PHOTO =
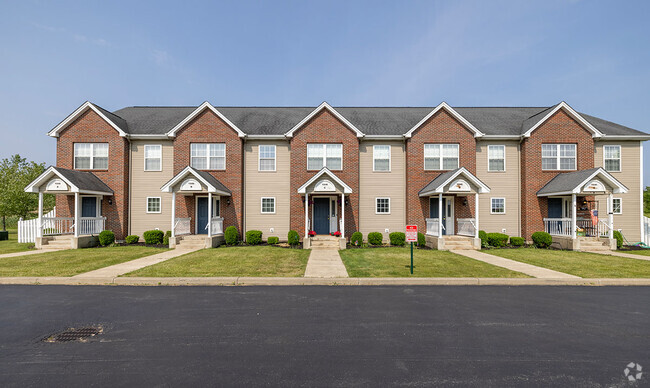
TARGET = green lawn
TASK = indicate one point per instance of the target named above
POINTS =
(71, 262)
(586, 265)
(232, 261)
(12, 245)
(645, 252)
(393, 262)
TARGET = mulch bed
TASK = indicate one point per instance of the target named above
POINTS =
(138, 244)
(633, 248)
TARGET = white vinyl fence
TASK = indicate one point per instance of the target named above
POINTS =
(28, 229)
(646, 230)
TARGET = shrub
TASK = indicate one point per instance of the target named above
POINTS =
(231, 235)
(483, 236)
(397, 238)
(422, 241)
(106, 237)
(132, 239)
(356, 239)
(168, 234)
(619, 239)
(153, 237)
(542, 239)
(253, 237)
(273, 240)
(517, 241)
(375, 238)
(497, 239)
(293, 238)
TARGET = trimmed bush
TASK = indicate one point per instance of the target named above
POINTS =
(153, 237)
(542, 239)
(483, 236)
(397, 239)
(517, 241)
(106, 237)
(356, 239)
(168, 234)
(293, 238)
(231, 235)
(132, 239)
(375, 238)
(422, 241)
(619, 239)
(253, 237)
(273, 240)
(498, 240)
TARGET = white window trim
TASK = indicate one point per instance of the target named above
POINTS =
(620, 158)
(390, 158)
(92, 156)
(225, 157)
(382, 213)
(262, 205)
(259, 157)
(424, 158)
(558, 157)
(504, 205)
(324, 156)
(620, 207)
(145, 156)
(504, 157)
(147, 205)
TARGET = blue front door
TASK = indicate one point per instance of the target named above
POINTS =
(321, 215)
(433, 212)
(201, 215)
(88, 206)
(555, 211)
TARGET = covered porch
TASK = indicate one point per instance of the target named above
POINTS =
(86, 221)
(573, 217)
(450, 213)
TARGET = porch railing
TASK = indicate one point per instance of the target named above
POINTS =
(54, 226)
(466, 227)
(599, 230)
(217, 225)
(558, 226)
(91, 225)
(182, 226)
(432, 226)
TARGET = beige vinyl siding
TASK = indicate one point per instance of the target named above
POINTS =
(381, 184)
(260, 184)
(147, 184)
(630, 221)
(502, 184)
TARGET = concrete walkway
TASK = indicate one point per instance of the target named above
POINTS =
(325, 263)
(621, 254)
(530, 270)
(30, 252)
(133, 265)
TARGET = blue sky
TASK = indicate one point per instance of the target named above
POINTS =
(56, 55)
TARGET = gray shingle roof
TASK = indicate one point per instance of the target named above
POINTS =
(212, 180)
(437, 181)
(119, 121)
(566, 181)
(84, 180)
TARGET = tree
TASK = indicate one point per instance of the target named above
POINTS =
(15, 174)
(646, 201)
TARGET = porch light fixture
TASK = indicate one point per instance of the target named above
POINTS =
(465, 201)
(347, 201)
(228, 202)
(110, 201)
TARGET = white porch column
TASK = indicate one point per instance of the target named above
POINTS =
(306, 215)
(573, 216)
(610, 214)
(476, 215)
(343, 215)
(173, 213)
(440, 215)
(39, 233)
(209, 214)
(77, 220)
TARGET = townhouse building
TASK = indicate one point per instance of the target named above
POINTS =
(451, 171)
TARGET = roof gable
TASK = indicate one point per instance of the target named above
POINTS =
(574, 182)
(450, 110)
(112, 119)
(333, 111)
(325, 171)
(213, 184)
(533, 122)
(437, 185)
(199, 110)
(79, 181)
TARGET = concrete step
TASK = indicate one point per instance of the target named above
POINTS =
(66, 237)
(58, 244)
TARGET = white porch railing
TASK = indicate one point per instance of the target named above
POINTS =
(54, 226)
(466, 227)
(558, 226)
(601, 229)
(182, 226)
(432, 226)
(217, 226)
(646, 230)
(28, 229)
(91, 225)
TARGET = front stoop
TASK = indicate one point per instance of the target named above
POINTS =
(324, 242)
(584, 243)
(453, 242)
(196, 241)
(55, 243)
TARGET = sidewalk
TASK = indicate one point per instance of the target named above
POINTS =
(325, 263)
(621, 254)
(530, 270)
(30, 252)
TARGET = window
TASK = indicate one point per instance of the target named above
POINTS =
(558, 156)
(440, 156)
(498, 206)
(617, 204)
(382, 205)
(268, 205)
(153, 204)
(91, 156)
(267, 158)
(496, 158)
(208, 156)
(324, 155)
(612, 154)
(153, 157)
(381, 158)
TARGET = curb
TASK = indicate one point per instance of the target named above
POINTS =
(275, 281)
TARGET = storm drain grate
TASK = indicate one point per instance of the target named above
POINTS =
(73, 334)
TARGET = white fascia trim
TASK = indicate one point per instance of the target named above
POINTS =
(44, 177)
(383, 137)
(149, 137)
(346, 189)
(559, 193)
(333, 111)
(501, 137)
(265, 137)
(624, 137)
(94, 192)
(167, 188)
(201, 108)
(451, 110)
(595, 133)
(86, 105)
(483, 188)
(619, 188)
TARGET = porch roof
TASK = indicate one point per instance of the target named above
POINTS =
(574, 182)
(83, 182)
(213, 184)
(325, 171)
(439, 184)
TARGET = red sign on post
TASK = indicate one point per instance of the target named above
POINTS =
(411, 233)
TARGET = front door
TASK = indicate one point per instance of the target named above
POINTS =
(88, 209)
(446, 212)
(321, 215)
(201, 215)
(555, 210)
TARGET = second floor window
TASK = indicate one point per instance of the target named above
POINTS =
(440, 156)
(496, 158)
(324, 155)
(381, 158)
(153, 157)
(612, 157)
(558, 156)
(267, 158)
(91, 156)
(206, 156)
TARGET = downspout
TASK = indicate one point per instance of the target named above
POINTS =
(128, 202)
(243, 187)
(519, 187)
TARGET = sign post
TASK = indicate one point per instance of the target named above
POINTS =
(411, 236)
